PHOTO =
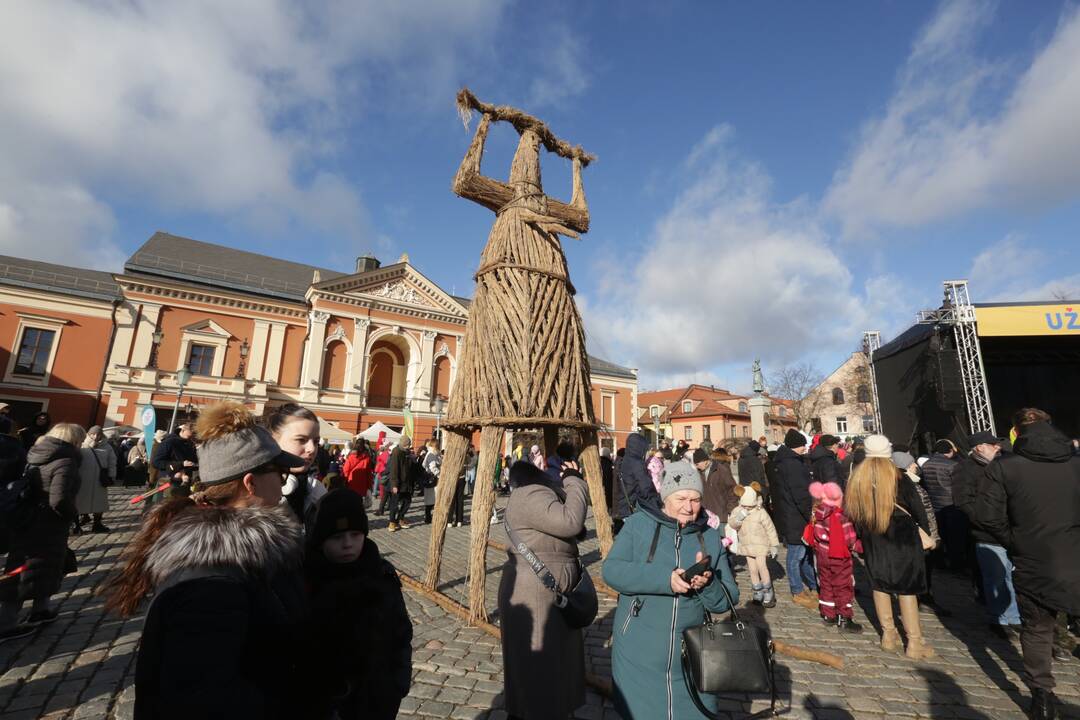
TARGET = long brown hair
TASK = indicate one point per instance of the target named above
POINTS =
(131, 583)
(871, 494)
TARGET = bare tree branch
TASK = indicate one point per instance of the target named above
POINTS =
(797, 382)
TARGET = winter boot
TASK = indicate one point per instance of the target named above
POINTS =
(848, 625)
(1043, 705)
(759, 594)
(917, 647)
(768, 596)
(890, 639)
(806, 600)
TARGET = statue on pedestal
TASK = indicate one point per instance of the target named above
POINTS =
(759, 380)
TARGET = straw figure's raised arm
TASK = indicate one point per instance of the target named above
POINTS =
(575, 215)
(470, 184)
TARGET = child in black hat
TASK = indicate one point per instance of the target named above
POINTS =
(362, 631)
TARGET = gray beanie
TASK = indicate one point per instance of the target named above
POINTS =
(902, 460)
(680, 475)
(231, 456)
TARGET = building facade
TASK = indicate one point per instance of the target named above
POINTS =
(843, 403)
(699, 413)
(371, 344)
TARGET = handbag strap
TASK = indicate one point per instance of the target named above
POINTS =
(655, 540)
(546, 578)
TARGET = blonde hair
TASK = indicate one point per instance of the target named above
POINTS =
(67, 432)
(871, 494)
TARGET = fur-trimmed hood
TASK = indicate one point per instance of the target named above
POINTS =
(257, 540)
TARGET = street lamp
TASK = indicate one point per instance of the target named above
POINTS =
(439, 403)
(244, 348)
(157, 336)
(655, 412)
(183, 377)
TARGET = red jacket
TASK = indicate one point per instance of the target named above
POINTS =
(831, 533)
(358, 472)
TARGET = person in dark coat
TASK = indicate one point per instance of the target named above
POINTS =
(824, 464)
(607, 475)
(543, 657)
(719, 496)
(750, 467)
(227, 627)
(620, 501)
(969, 481)
(1031, 506)
(361, 630)
(40, 530)
(29, 434)
(12, 464)
(400, 482)
(952, 523)
(887, 512)
(635, 476)
(792, 507)
(175, 459)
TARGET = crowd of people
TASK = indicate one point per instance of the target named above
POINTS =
(256, 542)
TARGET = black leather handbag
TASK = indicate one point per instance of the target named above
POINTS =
(728, 656)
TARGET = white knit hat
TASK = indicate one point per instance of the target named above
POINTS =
(878, 446)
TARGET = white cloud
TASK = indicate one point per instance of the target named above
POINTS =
(217, 108)
(937, 151)
(1009, 271)
(561, 70)
(729, 275)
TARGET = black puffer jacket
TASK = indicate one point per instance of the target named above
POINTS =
(826, 467)
(226, 633)
(635, 476)
(39, 535)
(750, 467)
(937, 474)
(791, 496)
(1032, 506)
(969, 480)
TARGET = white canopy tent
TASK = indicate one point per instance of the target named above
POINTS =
(332, 433)
(373, 432)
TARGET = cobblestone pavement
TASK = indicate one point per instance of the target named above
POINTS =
(82, 666)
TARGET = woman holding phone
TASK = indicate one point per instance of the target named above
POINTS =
(669, 567)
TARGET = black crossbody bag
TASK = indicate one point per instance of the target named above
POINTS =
(578, 606)
(727, 656)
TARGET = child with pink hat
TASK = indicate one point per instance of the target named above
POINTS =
(832, 536)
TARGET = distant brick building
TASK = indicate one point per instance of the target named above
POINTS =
(356, 347)
(700, 412)
(843, 404)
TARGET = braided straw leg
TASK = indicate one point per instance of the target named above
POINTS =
(590, 461)
(483, 500)
(457, 442)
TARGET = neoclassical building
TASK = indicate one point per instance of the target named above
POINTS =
(357, 347)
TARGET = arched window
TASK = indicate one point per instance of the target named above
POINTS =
(440, 380)
(334, 365)
(864, 394)
(743, 407)
(837, 396)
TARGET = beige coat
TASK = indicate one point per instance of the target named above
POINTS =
(543, 659)
(756, 530)
(92, 497)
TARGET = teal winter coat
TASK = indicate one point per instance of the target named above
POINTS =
(646, 653)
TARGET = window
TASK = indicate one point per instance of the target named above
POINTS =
(837, 396)
(687, 406)
(868, 423)
(815, 425)
(201, 360)
(864, 394)
(782, 411)
(688, 433)
(742, 407)
(841, 424)
(607, 409)
(706, 432)
(746, 431)
(34, 351)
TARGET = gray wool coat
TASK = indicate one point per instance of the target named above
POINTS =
(544, 660)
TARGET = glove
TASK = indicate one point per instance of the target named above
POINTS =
(774, 551)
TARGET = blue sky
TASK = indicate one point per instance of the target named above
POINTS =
(773, 178)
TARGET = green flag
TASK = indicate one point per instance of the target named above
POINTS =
(409, 427)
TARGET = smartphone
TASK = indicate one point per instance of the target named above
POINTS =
(697, 569)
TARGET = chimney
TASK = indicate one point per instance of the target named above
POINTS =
(366, 263)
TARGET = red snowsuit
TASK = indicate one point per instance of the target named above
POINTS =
(833, 538)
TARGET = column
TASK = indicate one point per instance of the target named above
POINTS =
(125, 337)
(759, 406)
(427, 363)
(274, 348)
(257, 357)
(311, 376)
(356, 382)
(144, 341)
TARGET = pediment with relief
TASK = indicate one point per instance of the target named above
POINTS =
(395, 285)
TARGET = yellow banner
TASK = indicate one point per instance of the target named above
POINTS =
(1063, 319)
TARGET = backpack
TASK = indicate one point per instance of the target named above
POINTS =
(17, 499)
